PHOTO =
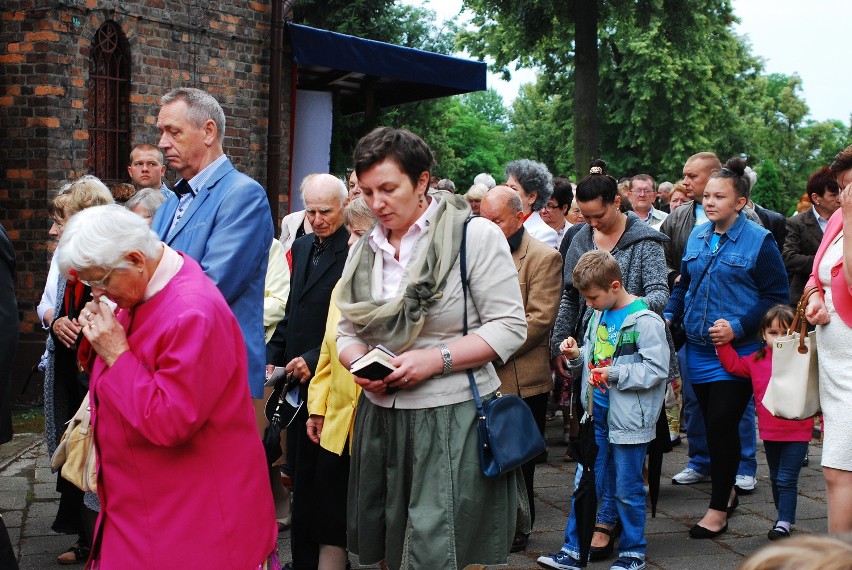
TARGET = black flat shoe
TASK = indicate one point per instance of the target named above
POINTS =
(733, 506)
(603, 552)
(778, 532)
(699, 531)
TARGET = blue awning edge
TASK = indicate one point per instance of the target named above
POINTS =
(395, 74)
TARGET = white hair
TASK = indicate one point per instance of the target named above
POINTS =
(148, 198)
(486, 180)
(752, 177)
(324, 180)
(101, 236)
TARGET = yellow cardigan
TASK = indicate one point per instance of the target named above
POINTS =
(332, 392)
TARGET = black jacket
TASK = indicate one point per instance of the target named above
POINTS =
(774, 222)
(301, 330)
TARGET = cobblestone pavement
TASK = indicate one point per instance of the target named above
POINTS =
(28, 504)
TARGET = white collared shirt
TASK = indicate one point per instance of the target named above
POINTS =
(393, 270)
(820, 220)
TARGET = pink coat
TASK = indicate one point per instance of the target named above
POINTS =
(182, 478)
(770, 427)
(841, 292)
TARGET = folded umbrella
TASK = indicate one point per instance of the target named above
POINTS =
(281, 409)
(585, 502)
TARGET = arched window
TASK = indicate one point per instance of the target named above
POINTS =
(109, 104)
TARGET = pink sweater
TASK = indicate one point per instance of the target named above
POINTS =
(770, 427)
(841, 292)
(182, 479)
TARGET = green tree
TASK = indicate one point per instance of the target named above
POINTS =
(666, 75)
(541, 129)
(766, 190)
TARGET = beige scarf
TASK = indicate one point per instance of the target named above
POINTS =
(396, 322)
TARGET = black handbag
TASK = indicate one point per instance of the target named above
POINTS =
(508, 434)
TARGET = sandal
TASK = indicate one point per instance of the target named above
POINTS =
(604, 552)
(75, 554)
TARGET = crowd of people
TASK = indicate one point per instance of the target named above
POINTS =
(616, 300)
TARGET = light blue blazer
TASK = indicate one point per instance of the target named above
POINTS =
(227, 229)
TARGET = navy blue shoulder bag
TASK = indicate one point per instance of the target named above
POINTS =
(508, 434)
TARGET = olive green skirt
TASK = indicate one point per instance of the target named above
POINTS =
(417, 498)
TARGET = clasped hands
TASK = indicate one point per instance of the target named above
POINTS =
(598, 376)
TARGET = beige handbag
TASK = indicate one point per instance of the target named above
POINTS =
(75, 454)
(793, 390)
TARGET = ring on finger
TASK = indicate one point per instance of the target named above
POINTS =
(405, 380)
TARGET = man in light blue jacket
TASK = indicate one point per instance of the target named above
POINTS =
(217, 215)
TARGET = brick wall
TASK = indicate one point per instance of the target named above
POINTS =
(219, 46)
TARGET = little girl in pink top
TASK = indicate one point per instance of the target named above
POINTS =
(785, 441)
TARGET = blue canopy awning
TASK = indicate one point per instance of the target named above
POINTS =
(366, 74)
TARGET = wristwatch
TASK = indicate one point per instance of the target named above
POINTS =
(447, 357)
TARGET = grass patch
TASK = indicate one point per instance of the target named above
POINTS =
(29, 421)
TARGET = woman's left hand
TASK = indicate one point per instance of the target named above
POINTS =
(103, 331)
(721, 332)
(413, 367)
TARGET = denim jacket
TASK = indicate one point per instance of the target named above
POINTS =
(739, 282)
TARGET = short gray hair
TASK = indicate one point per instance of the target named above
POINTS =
(202, 107)
(486, 180)
(534, 177)
(101, 236)
(446, 185)
(148, 198)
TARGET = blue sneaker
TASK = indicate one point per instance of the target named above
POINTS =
(560, 561)
(628, 563)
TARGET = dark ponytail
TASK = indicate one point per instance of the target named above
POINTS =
(598, 184)
(734, 170)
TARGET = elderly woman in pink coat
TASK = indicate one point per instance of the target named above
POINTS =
(182, 475)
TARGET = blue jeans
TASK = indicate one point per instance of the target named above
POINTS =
(785, 461)
(696, 435)
(620, 491)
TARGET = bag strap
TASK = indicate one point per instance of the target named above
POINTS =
(463, 266)
(697, 284)
(800, 323)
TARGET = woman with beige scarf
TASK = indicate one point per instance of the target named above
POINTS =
(417, 496)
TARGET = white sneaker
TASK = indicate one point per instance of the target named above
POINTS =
(689, 476)
(745, 483)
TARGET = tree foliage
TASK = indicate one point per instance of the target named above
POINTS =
(674, 80)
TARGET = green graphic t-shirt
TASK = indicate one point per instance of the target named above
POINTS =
(606, 339)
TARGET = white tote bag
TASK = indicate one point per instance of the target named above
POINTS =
(793, 390)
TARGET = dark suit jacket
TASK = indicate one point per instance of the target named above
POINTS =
(774, 222)
(301, 330)
(803, 238)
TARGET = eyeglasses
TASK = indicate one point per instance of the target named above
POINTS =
(551, 207)
(100, 283)
(643, 192)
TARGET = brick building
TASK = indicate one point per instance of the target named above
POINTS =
(81, 81)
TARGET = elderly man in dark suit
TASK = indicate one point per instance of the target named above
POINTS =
(318, 260)
(527, 372)
(804, 231)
